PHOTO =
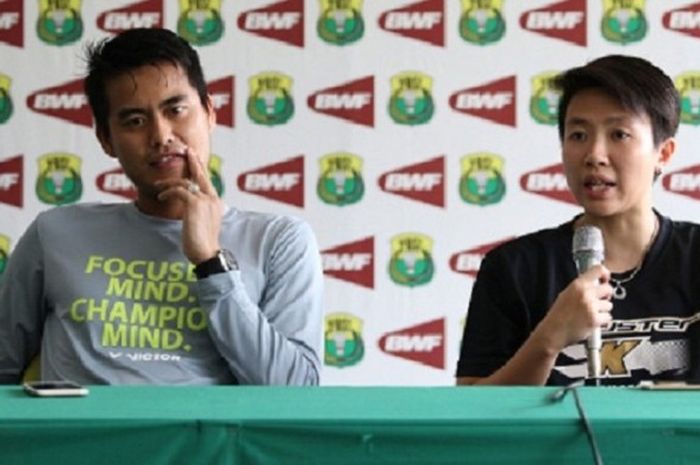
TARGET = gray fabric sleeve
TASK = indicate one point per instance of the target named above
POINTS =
(22, 309)
(277, 342)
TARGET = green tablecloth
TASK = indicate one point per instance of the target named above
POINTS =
(349, 425)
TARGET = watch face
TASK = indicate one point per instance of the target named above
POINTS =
(228, 257)
(222, 262)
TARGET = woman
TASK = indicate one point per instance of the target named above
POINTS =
(530, 312)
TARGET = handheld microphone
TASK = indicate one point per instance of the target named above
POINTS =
(588, 251)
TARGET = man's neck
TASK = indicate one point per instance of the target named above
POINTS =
(170, 210)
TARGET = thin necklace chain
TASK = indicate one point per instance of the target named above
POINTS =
(619, 291)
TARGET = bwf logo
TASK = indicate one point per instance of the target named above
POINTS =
(564, 20)
(352, 262)
(282, 21)
(684, 182)
(222, 98)
(494, 101)
(116, 182)
(146, 14)
(11, 22)
(685, 20)
(351, 101)
(424, 181)
(66, 101)
(12, 181)
(283, 181)
(423, 343)
(550, 182)
(468, 261)
(424, 21)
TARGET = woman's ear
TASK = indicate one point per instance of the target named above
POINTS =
(666, 151)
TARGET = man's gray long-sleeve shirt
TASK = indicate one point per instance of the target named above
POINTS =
(106, 295)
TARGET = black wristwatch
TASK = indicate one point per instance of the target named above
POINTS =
(222, 262)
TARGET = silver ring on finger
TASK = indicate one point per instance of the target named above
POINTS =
(193, 187)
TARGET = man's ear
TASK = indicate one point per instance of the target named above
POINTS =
(105, 142)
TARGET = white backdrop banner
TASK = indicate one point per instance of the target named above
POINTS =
(414, 136)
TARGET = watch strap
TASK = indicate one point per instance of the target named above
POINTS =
(222, 262)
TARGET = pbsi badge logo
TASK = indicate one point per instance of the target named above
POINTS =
(688, 85)
(624, 21)
(148, 13)
(12, 22)
(482, 21)
(5, 99)
(200, 21)
(411, 101)
(343, 340)
(481, 182)
(340, 182)
(59, 180)
(59, 21)
(270, 102)
(4, 252)
(215, 174)
(340, 21)
(544, 103)
(411, 261)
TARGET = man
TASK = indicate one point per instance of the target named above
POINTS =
(529, 312)
(175, 288)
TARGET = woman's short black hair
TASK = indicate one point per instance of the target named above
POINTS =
(636, 83)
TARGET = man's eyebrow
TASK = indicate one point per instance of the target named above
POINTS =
(125, 113)
(172, 100)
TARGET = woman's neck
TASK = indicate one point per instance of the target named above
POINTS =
(627, 239)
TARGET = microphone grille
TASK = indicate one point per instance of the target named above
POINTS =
(588, 239)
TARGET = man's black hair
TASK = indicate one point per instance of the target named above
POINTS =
(131, 49)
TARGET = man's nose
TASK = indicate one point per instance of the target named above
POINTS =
(161, 132)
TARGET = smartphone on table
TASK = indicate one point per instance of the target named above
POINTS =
(54, 389)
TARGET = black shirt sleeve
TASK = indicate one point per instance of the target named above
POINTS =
(496, 324)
